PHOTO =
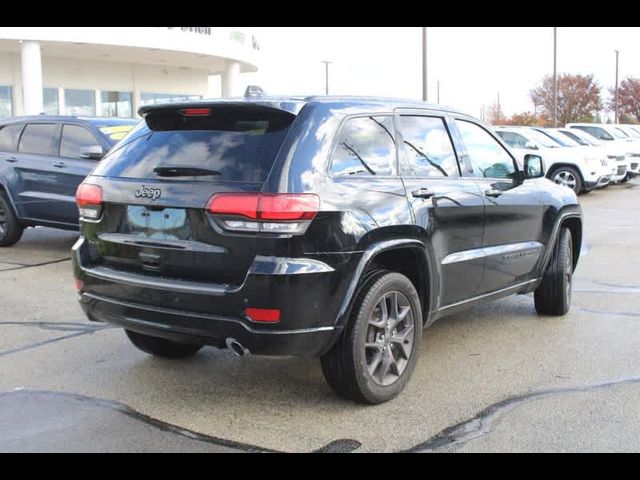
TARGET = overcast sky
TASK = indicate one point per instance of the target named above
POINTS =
(472, 64)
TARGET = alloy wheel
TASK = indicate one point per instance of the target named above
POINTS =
(566, 179)
(389, 339)
(3, 221)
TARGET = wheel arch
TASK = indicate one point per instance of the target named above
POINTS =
(402, 256)
(571, 219)
(560, 165)
(7, 192)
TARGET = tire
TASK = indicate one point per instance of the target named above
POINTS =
(10, 229)
(346, 367)
(161, 347)
(553, 296)
(568, 177)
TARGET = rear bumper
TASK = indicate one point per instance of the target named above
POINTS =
(204, 329)
(308, 292)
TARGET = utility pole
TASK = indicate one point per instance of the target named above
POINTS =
(438, 92)
(555, 77)
(326, 76)
(425, 83)
(617, 72)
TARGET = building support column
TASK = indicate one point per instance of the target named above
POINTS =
(231, 80)
(32, 78)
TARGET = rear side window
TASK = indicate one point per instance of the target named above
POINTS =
(40, 139)
(428, 148)
(76, 141)
(365, 146)
(9, 137)
(235, 143)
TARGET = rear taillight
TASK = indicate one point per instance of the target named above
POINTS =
(261, 212)
(262, 315)
(89, 199)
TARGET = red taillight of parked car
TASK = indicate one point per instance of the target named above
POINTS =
(89, 199)
(284, 213)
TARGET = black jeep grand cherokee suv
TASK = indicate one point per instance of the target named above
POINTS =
(328, 227)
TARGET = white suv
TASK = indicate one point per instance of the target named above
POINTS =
(612, 155)
(573, 167)
(614, 135)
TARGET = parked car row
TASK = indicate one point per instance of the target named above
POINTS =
(581, 156)
(43, 160)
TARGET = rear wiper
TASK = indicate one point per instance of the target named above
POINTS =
(185, 172)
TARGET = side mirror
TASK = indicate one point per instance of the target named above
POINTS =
(94, 152)
(530, 146)
(533, 167)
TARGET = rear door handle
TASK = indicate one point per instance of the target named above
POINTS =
(11, 159)
(60, 165)
(493, 193)
(422, 193)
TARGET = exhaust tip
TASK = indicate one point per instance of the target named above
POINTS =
(235, 346)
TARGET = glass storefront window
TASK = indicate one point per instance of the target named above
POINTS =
(157, 98)
(80, 102)
(6, 102)
(117, 104)
(51, 101)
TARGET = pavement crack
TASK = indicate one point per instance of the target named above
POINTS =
(605, 312)
(58, 326)
(35, 265)
(482, 424)
(43, 343)
(141, 417)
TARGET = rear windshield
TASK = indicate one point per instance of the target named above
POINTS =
(233, 143)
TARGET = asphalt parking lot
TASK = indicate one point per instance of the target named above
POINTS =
(497, 378)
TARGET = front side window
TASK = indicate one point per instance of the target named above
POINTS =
(76, 141)
(6, 102)
(365, 146)
(80, 102)
(487, 158)
(9, 137)
(117, 104)
(40, 139)
(428, 148)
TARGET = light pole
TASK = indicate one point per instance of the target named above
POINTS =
(617, 72)
(326, 76)
(555, 77)
(425, 85)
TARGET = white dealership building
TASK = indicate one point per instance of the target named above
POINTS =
(112, 71)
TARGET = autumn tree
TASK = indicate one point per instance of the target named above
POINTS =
(525, 119)
(578, 98)
(495, 115)
(628, 100)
